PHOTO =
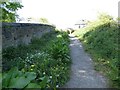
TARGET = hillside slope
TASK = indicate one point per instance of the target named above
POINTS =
(100, 39)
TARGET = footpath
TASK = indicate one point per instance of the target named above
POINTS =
(83, 74)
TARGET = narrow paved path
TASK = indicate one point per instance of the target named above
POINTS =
(83, 74)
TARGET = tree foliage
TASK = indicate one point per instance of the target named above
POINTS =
(105, 17)
(44, 20)
(9, 11)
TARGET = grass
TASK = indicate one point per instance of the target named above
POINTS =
(48, 57)
(100, 39)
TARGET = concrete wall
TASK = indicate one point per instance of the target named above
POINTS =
(14, 34)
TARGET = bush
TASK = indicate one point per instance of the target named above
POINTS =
(100, 38)
(48, 57)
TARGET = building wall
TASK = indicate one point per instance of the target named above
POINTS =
(14, 34)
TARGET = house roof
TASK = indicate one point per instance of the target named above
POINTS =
(81, 22)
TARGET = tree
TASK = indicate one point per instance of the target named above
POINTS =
(9, 11)
(44, 20)
(105, 17)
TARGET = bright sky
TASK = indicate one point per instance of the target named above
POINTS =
(65, 13)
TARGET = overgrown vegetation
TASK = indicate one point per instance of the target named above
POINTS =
(8, 10)
(45, 63)
(100, 39)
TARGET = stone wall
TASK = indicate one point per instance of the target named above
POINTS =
(14, 34)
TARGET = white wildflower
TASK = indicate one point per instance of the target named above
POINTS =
(57, 75)
(50, 76)
(57, 85)
(38, 53)
(43, 72)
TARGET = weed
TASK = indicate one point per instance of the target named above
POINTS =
(48, 57)
(100, 40)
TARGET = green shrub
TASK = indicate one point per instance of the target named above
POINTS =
(100, 38)
(48, 57)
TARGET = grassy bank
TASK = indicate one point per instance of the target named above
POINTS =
(44, 63)
(100, 39)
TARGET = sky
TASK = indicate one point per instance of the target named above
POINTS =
(65, 13)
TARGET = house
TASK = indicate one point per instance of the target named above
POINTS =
(80, 24)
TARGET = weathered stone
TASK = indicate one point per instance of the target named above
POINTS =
(14, 34)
